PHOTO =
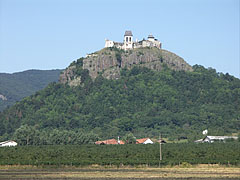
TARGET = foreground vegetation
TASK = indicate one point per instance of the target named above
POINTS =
(132, 154)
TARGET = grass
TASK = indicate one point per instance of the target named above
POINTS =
(102, 173)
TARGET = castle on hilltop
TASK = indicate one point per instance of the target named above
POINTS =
(128, 42)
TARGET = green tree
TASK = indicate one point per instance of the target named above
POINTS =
(129, 138)
(26, 135)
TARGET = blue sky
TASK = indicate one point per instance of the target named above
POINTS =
(50, 34)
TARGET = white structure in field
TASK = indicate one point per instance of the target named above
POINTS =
(128, 42)
(218, 138)
(211, 139)
(8, 143)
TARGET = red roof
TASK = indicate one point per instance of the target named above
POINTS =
(109, 141)
(140, 141)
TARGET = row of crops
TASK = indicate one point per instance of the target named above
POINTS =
(131, 154)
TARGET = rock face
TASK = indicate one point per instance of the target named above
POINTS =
(109, 62)
(67, 75)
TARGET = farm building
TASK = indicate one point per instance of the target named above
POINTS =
(110, 141)
(144, 141)
(211, 139)
(8, 143)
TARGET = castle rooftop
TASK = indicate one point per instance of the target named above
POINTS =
(150, 36)
(128, 33)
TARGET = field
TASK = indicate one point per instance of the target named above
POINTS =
(113, 173)
(186, 154)
(106, 162)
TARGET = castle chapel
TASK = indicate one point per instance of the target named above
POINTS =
(128, 42)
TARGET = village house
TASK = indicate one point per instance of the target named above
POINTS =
(8, 143)
(211, 139)
(110, 141)
(144, 141)
(114, 141)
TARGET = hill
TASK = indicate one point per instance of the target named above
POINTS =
(172, 98)
(14, 87)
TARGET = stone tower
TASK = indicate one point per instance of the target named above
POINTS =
(128, 40)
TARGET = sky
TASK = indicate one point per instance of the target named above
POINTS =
(50, 34)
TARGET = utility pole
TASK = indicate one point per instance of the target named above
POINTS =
(160, 149)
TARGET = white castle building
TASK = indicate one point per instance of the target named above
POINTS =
(128, 42)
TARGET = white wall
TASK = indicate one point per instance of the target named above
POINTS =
(109, 43)
(148, 141)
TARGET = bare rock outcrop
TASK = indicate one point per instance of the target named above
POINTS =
(109, 62)
(69, 76)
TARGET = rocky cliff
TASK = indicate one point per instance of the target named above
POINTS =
(109, 62)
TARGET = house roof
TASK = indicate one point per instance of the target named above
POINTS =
(109, 141)
(140, 141)
(128, 33)
(220, 137)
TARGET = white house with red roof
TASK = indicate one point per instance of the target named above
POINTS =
(144, 141)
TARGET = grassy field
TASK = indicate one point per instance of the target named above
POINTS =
(107, 173)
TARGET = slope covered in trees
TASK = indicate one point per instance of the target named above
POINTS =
(178, 104)
(14, 87)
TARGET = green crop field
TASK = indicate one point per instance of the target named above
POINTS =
(122, 155)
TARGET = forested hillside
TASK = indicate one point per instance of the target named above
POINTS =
(179, 104)
(14, 87)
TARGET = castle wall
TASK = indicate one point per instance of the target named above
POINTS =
(109, 43)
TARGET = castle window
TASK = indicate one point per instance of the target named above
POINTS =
(130, 39)
(126, 39)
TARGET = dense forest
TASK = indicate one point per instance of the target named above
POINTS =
(18, 85)
(185, 154)
(177, 104)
